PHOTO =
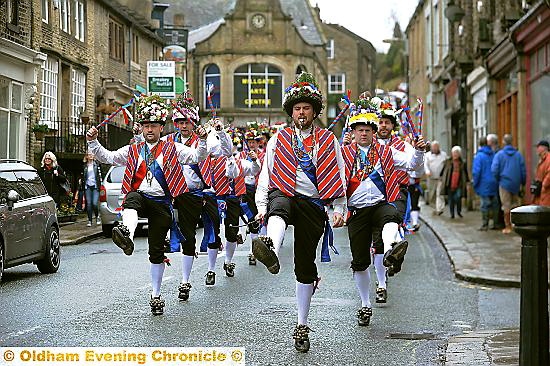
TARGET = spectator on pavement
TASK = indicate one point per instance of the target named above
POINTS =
(91, 181)
(485, 185)
(492, 142)
(542, 175)
(454, 178)
(53, 177)
(508, 168)
(433, 165)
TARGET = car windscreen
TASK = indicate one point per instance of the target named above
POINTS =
(116, 174)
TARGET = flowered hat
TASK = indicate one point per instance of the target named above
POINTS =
(387, 110)
(152, 108)
(186, 108)
(365, 110)
(304, 89)
(252, 135)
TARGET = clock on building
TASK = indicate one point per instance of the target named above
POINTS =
(258, 21)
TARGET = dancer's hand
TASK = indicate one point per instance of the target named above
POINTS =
(91, 134)
(347, 138)
(260, 217)
(337, 220)
(252, 155)
(137, 129)
(201, 132)
(419, 143)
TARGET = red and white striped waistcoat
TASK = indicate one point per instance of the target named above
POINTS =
(222, 184)
(244, 155)
(170, 167)
(283, 176)
(385, 157)
(399, 144)
(205, 165)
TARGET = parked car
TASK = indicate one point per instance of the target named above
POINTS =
(29, 232)
(110, 201)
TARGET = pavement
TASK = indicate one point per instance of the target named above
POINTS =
(480, 257)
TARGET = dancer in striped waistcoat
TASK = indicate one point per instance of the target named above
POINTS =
(303, 171)
(153, 176)
(372, 190)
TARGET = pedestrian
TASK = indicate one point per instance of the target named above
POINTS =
(303, 171)
(53, 177)
(485, 185)
(492, 142)
(91, 178)
(542, 176)
(153, 177)
(372, 191)
(508, 168)
(454, 177)
(433, 165)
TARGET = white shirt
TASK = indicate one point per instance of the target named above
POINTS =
(90, 175)
(248, 168)
(433, 163)
(303, 186)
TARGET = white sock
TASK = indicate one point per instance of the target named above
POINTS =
(230, 251)
(414, 217)
(276, 227)
(304, 292)
(130, 220)
(389, 232)
(252, 237)
(157, 270)
(212, 255)
(362, 281)
(186, 265)
(380, 270)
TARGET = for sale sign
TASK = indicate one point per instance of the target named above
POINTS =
(161, 78)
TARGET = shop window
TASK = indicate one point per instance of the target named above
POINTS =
(258, 86)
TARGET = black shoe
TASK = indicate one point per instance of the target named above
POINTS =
(381, 295)
(363, 316)
(396, 253)
(394, 268)
(484, 227)
(251, 260)
(184, 289)
(239, 239)
(459, 214)
(210, 278)
(262, 248)
(301, 338)
(121, 237)
(416, 227)
(157, 305)
(229, 269)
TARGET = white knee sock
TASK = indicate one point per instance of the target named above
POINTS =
(276, 227)
(362, 281)
(230, 251)
(212, 255)
(389, 232)
(157, 270)
(130, 220)
(414, 217)
(380, 270)
(304, 292)
(186, 266)
(252, 237)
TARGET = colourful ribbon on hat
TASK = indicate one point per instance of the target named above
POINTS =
(346, 99)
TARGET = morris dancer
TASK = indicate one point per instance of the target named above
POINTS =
(151, 179)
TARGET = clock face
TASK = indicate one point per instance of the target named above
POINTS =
(258, 21)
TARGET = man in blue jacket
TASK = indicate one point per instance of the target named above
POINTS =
(508, 168)
(485, 185)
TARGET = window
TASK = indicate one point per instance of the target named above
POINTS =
(78, 94)
(135, 48)
(11, 94)
(212, 75)
(45, 10)
(436, 41)
(65, 15)
(48, 93)
(330, 49)
(79, 20)
(156, 53)
(336, 83)
(258, 86)
(428, 43)
(13, 12)
(116, 40)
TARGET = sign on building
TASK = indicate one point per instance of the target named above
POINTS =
(161, 77)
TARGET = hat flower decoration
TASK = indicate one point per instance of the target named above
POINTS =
(304, 89)
(185, 108)
(152, 108)
(365, 110)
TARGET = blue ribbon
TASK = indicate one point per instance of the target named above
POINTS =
(307, 164)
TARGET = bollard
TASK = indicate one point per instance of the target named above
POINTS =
(532, 223)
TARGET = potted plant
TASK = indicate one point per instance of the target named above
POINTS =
(40, 129)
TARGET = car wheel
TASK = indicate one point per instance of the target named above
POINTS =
(1, 260)
(50, 263)
(107, 230)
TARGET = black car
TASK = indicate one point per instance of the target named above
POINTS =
(29, 232)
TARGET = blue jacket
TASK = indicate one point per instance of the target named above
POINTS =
(509, 169)
(484, 181)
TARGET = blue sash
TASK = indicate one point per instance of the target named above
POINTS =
(176, 237)
(307, 164)
(209, 234)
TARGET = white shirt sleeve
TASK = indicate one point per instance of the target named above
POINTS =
(231, 168)
(405, 161)
(118, 157)
(189, 155)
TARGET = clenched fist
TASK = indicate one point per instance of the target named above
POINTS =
(91, 134)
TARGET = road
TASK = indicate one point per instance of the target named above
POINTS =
(100, 298)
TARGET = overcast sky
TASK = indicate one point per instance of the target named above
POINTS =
(370, 19)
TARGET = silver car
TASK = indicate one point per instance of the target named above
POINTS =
(29, 232)
(110, 200)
